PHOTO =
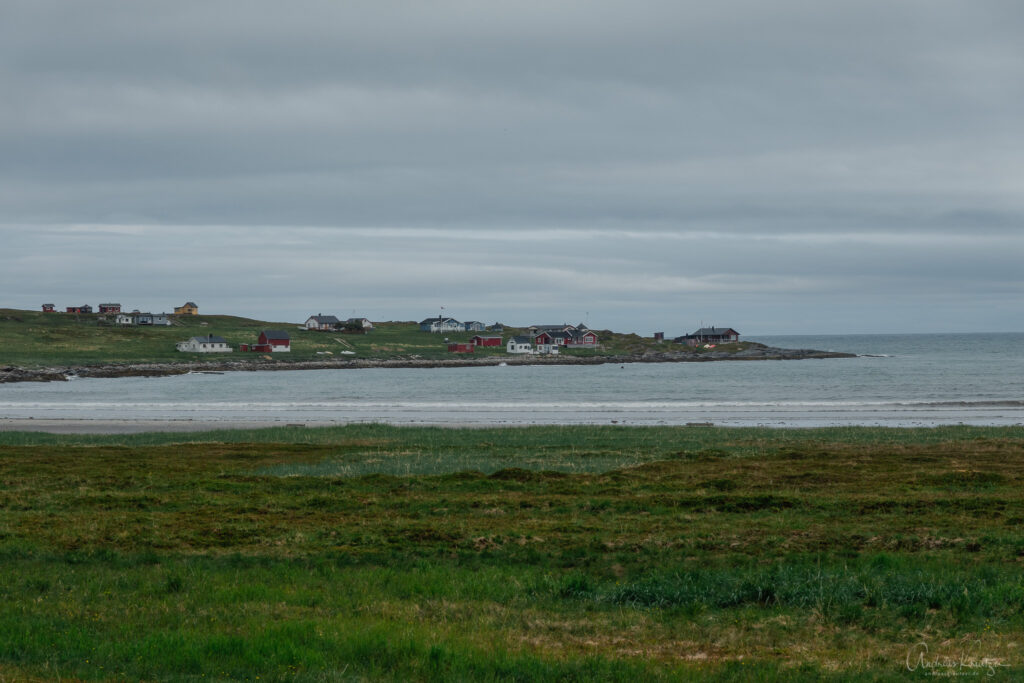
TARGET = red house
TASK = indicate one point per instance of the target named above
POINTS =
(270, 341)
(581, 339)
(49, 308)
(480, 340)
(110, 308)
(460, 348)
(80, 309)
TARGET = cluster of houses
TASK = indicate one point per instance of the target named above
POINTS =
(442, 324)
(541, 339)
(126, 319)
(84, 308)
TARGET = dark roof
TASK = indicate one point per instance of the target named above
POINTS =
(435, 319)
(190, 303)
(713, 331)
(275, 334)
(522, 339)
(211, 339)
(486, 336)
(330, 319)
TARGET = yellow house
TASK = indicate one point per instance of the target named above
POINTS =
(188, 309)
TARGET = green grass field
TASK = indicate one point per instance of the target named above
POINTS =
(33, 339)
(370, 552)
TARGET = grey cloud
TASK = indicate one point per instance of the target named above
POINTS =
(746, 120)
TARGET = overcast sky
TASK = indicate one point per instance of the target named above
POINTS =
(778, 167)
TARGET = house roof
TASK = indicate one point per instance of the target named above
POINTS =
(190, 303)
(275, 334)
(430, 321)
(521, 339)
(713, 331)
(210, 339)
(330, 319)
(550, 328)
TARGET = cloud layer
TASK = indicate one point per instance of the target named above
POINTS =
(788, 166)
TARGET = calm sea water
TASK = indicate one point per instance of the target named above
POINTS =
(897, 380)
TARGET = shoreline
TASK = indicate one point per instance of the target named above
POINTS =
(12, 374)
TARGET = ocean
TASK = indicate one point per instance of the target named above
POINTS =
(895, 380)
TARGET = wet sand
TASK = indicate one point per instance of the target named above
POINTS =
(139, 426)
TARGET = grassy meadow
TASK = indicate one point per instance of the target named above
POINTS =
(34, 339)
(371, 552)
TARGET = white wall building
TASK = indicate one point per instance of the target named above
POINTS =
(207, 344)
(519, 344)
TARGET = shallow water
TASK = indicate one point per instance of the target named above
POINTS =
(897, 380)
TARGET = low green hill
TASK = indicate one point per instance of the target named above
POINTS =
(34, 339)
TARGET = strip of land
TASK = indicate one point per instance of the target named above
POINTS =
(57, 373)
(46, 347)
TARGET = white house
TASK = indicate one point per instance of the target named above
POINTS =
(151, 319)
(365, 322)
(521, 344)
(440, 324)
(124, 319)
(207, 344)
(324, 323)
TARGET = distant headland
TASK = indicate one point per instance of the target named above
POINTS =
(51, 346)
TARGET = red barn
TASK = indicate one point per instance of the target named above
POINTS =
(276, 340)
(269, 342)
(460, 348)
(480, 340)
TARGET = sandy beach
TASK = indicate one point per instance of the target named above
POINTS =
(139, 426)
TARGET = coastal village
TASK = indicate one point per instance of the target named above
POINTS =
(537, 339)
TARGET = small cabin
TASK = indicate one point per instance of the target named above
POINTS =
(49, 308)
(188, 309)
(362, 322)
(152, 319)
(519, 344)
(481, 340)
(110, 308)
(461, 347)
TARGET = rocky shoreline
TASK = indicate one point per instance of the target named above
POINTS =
(60, 374)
